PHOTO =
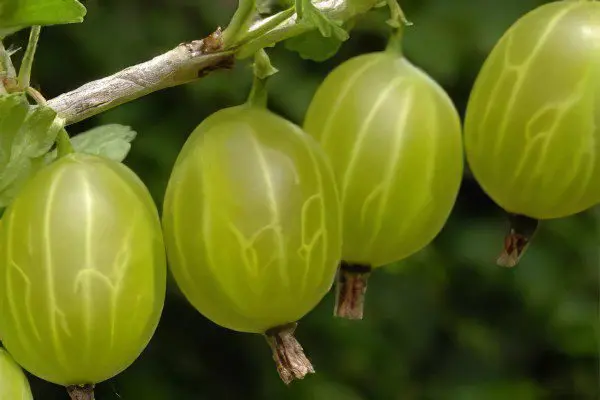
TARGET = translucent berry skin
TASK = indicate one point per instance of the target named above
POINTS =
(394, 139)
(82, 271)
(13, 382)
(251, 220)
(532, 132)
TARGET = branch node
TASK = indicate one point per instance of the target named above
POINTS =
(213, 43)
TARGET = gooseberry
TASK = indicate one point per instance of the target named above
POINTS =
(394, 140)
(82, 271)
(252, 226)
(531, 129)
(13, 382)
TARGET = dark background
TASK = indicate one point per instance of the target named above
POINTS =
(447, 323)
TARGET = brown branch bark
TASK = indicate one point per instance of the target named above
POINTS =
(185, 63)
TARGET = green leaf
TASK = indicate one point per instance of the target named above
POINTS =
(354, 8)
(111, 141)
(326, 25)
(26, 134)
(314, 46)
(18, 14)
(322, 43)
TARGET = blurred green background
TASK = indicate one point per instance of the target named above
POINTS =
(447, 323)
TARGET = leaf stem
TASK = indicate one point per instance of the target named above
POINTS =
(27, 63)
(36, 96)
(299, 8)
(239, 22)
(250, 42)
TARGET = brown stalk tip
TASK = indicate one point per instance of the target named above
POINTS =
(81, 392)
(288, 353)
(350, 290)
(521, 231)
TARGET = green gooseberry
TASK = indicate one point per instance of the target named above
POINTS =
(394, 140)
(13, 382)
(82, 271)
(531, 128)
(252, 226)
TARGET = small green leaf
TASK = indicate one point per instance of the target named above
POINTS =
(26, 134)
(111, 141)
(314, 46)
(322, 43)
(354, 8)
(326, 25)
(18, 14)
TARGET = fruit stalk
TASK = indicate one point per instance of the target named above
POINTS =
(262, 71)
(81, 392)
(288, 354)
(350, 290)
(520, 233)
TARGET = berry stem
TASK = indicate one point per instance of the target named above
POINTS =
(521, 231)
(288, 354)
(398, 22)
(262, 71)
(350, 290)
(81, 392)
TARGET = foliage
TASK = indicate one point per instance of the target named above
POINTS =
(112, 141)
(17, 14)
(28, 132)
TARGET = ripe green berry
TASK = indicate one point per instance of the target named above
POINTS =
(531, 128)
(82, 271)
(531, 132)
(394, 139)
(13, 382)
(252, 225)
